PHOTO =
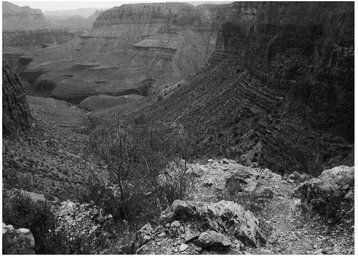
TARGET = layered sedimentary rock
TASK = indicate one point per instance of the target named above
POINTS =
(28, 39)
(22, 18)
(170, 13)
(15, 111)
(103, 101)
(26, 29)
(127, 47)
(278, 89)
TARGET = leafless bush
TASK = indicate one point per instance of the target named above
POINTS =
(135, 155)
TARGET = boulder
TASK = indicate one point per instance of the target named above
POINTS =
(178, 208)
(222, 217)
(211, 239)
(175, 224)
(328, 194)
(264, 192)
(242, 181)
(190, 234)
(17, 241)
(297, 177)
(183, 247)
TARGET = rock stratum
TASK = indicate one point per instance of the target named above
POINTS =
(27, 29)
(16, 116)
(22, 18)
(129, 48)
(277, 91)
(32, 39)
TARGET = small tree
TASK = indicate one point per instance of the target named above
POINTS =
(135, 155)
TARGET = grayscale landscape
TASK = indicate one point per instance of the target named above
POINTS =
(178, 128)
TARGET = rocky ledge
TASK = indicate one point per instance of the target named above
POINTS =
(251, 224)
(169, 13)
(331, 194)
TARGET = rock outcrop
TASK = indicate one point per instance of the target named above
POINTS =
(170, 13)
(17, 241)
(218, 179)
(207, 223)
(32, 39)
(278, 90)
(331, 194)
(22, 18)
(222, 217)
(15, 110)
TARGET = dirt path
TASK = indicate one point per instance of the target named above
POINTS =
(296, 233)
(291, 231)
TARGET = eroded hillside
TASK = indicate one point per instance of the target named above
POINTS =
(277, 91)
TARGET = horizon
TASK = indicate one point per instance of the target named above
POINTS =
(48, 6)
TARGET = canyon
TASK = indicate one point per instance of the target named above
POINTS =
(254, 75)
(199, 122)
(124, 53)
(277, 91)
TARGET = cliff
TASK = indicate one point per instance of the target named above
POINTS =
(278, 89)
(128, 46)
(169, 13)
(22, 18)
(15, 111)
(30, 39)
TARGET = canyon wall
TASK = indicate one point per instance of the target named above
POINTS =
(30, 39)
(15, 111)
(128, 46)
(26, 29)
(278, 91)
(22, 18)
(181, 14)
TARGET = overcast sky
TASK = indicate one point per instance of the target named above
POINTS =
(68, 4)
(65, 5)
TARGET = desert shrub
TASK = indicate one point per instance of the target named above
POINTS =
(135, 154)
(21, 211)
(178, 185)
